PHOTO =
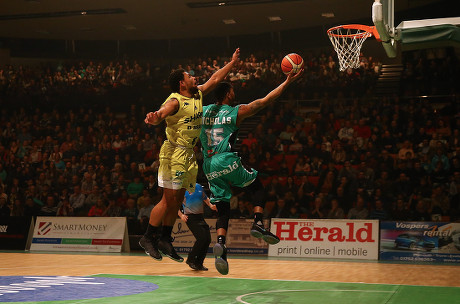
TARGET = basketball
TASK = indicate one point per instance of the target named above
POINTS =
(291, 63)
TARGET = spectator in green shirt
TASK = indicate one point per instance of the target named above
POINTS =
(135, 187)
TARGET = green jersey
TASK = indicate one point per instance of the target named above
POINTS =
(218, 129)
(222, 166)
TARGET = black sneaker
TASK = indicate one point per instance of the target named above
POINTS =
(220, 253)
(150, 247)
(166, 248)
(192, 265)
(196, 266)
(202, 268)
(260, 232)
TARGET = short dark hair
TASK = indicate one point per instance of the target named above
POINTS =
(221, 90)
(175, 78)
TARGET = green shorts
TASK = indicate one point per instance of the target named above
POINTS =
(225, 170)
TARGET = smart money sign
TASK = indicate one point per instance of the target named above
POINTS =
(101, 234)
(339, 239)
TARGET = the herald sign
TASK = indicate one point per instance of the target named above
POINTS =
(345, 239)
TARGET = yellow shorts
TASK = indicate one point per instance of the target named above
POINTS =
(178, 167)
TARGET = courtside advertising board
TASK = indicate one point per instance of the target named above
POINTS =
(96, 234)
(15, 232)
(239, 241)
(184, 239)
(338, 239)
(420, 242)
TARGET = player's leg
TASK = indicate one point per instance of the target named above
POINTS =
(150, 240)
(247, 178)
(221, 194)
(220, 249)
(258, 197)
(174, 198)
(183, 172)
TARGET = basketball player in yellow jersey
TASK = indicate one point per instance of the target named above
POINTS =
(182, 112)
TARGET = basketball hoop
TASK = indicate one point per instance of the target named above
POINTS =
(348, 40)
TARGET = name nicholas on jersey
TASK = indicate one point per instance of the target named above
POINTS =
(217, 120)
(193, 117)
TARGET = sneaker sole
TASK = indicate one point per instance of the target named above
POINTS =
(267, 238)
(180, 259)
(256, 234)
(218, 250)
(270, 239)
(221, 266)
(220, 263)
(147, 253)
(174, 259)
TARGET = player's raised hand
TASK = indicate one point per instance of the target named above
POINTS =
(294, 76)
(236, 55)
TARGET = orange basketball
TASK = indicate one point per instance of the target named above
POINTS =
(291, 63)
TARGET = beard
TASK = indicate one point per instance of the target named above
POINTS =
(194, 92)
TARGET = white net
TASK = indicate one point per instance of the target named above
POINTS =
(347, 43)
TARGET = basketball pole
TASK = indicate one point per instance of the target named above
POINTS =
(384, 30)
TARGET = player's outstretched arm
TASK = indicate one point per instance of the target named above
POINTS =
(247, 110)
(170, 107)
(220, 74)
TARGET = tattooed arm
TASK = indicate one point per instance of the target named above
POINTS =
(247, 110)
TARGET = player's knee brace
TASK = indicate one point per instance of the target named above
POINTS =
(223, 215)
(257, 192)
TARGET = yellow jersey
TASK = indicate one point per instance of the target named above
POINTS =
(184, 127)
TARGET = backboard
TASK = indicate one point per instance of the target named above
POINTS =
(413, 34)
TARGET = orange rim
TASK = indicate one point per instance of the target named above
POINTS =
(365, 28)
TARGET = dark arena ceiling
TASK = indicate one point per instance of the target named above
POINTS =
(177, 19)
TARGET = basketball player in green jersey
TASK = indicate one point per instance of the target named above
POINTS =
(223, 167)
(182, 112)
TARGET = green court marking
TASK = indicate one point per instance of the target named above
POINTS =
(198, 290)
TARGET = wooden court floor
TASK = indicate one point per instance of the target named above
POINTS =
(73, 264)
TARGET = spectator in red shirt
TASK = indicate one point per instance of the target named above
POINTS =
(268, 165)
(249, 140)
(278, 125)
(362, 130)
(98, 209)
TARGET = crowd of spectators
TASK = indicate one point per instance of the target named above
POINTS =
(392, 163)
(356, 156)
(112, 83)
